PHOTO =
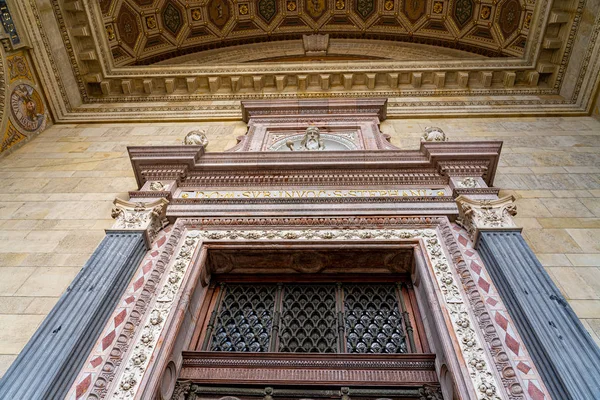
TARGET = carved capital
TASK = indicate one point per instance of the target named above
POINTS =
(479, 215)
(139, 216)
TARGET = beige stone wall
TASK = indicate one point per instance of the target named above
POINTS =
(57, 192)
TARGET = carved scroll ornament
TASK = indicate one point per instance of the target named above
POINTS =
(486, 214)
(139, 216)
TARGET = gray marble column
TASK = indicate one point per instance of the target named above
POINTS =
(564, 353)
(51, 360)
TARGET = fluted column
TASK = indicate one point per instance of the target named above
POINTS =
(50, 361)
(563, 351)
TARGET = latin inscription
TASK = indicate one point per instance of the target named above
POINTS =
(309, 193)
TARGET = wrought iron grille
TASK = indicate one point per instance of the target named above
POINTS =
(310, 318)
(245, 319)
(373, 320)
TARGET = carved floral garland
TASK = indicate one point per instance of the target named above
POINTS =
(470, 345)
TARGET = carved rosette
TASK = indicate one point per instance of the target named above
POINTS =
(479, 215)
(463, 325)
(138, 216)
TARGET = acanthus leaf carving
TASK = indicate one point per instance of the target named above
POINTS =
(139, 216)
(485, 214)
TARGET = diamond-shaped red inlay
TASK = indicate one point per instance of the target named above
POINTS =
(483, 284)
(475, 267)
(469, 253)
(147, 267)
(523, 367)
(462, 240)
(138, 284)
(535, 392)
(503, 322)
(492, 301)
(108, 339)
(120, 317)
(154, 253)
(96, 361)
(83, 386)
(161, 241)
(512, 344)
(129, 300)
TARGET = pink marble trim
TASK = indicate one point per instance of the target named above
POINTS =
(93, 365)
(527, 373)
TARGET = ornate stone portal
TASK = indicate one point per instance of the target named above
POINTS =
(228, 210)
(372, 214)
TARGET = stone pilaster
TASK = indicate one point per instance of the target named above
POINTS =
(564, 352)
(51, 360)
(481, 215)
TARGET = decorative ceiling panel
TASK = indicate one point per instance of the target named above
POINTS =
(142, 32)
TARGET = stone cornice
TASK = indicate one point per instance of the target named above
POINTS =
(183, 163)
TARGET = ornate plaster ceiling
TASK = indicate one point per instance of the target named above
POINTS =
(142, 32)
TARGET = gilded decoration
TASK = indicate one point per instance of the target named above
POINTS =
(219, 12)
(463, 12)
(243, 9)
(510, 15)
(110, 32)
(27, 108)
(11, 137)
(267, 9)
(358, 18)
(18, 67)
(527, 21)
(196, 14)
(456, 305)
(486, 12)
(172, 18)
(151, 22)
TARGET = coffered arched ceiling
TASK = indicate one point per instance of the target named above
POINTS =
(147, 31)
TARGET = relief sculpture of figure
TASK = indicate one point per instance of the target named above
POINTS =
(310, 142)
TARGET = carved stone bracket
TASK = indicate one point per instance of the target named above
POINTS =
(480, 215)
(149, 217)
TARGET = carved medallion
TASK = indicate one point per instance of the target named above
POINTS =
(27, 108)
(414, 9)
(219, 12)
(315, 8)
(509, 17)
